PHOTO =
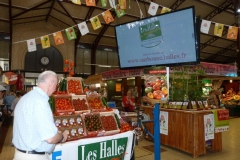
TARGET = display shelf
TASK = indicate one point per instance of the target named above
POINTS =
(74, 86)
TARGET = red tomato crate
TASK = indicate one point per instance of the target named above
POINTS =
(74, 86)
(80, 104)
(63, 105)
(95, 103)
(109, 123)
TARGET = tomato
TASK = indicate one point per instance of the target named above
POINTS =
(158, 94)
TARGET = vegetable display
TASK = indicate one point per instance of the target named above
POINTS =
(74, 86)
(80, 104)
(93, 123)
(109, 123)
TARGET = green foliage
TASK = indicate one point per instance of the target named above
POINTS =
(185, 83)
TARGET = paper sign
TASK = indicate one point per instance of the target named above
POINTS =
(152, 10)
(90, 3)
(58, 38)
(120, 12)
(218, 29)
(45, 41)
(205, 25)
(232, 32)
(70, 32)
(31, 43)
(165, 10)
(83, 28)
(95, 23)
(107, 16)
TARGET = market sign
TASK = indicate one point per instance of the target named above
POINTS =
(115, 74)
(115, 148)
(10, 78)
(208, 69)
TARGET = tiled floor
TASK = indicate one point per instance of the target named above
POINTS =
(230, 151)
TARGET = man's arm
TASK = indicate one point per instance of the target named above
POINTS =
(59, 137)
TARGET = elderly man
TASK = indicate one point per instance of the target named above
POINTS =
(34, 131)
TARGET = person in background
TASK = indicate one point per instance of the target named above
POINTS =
(92, 90)
(19, 94)
(2, 93)
(8, 100)
(128, 102)
(34, 131)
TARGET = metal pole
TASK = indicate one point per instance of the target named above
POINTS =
(156, 132)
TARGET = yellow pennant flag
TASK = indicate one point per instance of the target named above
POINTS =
(76, 2)
(218, 29)
(123, 4)
(165, 10)
(95, 23)
(45, 41)
(107, 16)
(232, 32)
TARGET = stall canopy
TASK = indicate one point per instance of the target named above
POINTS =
(93, 79)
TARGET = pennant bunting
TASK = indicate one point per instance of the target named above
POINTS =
(58, 38)
(104, 3)
(45, 41)
(83, 28)
(90, 3)
(112, 3)
(218, 29)
(70, 32)
(165, 10)
(152, 10)
(232, 32)
(107, 16)
(205, 26)
(123, 4)
(95, 23)
(31, 43)
(76, 2)
(120, 12)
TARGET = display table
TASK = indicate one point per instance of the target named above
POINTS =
(107, 147)
(186, 131)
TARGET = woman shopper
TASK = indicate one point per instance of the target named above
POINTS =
(128, 102)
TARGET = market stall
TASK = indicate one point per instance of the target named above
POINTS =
(95, 131)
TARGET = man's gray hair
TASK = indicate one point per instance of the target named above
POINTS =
(45, 75)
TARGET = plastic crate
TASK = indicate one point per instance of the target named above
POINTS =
(112, 104)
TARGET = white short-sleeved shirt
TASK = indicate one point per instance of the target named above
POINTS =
(33, 122)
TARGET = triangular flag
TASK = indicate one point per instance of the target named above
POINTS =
(107, 16)
(205, 26)
(104, 3)
(123, 4)
(58, 38)
(218, 29)
(112, 3)
(90, 3)
(95, 22)
(165, 10)
(76, 2)
(45, 41)
(120, 12)
(232, 32)
(31, 43)
(83, 28)
(152, 10)
(70, 32)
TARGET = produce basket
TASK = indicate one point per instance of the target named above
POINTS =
(95, 103)
(93, 124)
(74, 85)
(73, 125)
(63, 105)
(80, 103)
(109, 123)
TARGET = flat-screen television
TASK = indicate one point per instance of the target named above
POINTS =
(162, 40)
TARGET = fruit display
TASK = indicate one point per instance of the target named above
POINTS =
(109, 123)
(63, 105)
(72, 124)
(156, 87)
(74, 86)
(95, 102)
(93, 125)
(80, 103)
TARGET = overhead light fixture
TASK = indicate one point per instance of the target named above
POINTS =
(238, 10)
(230, 81)
(103, 65)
